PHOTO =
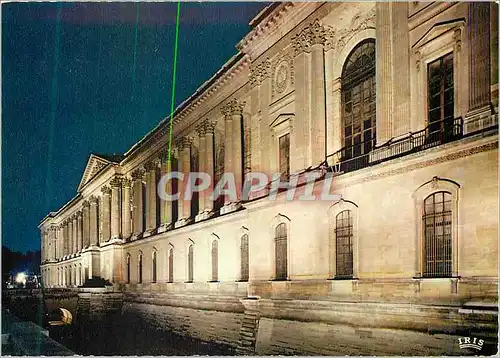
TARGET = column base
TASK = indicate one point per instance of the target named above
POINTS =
(149, 232)
(164, 228)
(480, 118)
(182, 222)
(204, 215)
(136, 236)
(230, 207)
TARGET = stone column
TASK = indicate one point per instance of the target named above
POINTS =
(115, 208)
(202, 168)
(384, 79)
(86, 223)
(479, 61)
(94, 215)
(106, 213)
(166, 205)
(70, 235)
(64, 238)
(318, 100)
(228, 146)
(137, 203)
(52, 254)
(126, 227)
(184, 146)
(75, 233)
(79, 242)
(264, 142)
(42, 245)
(151, 167)
(209, 165)
(300, 154)
(237, 150)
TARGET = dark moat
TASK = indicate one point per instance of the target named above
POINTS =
(112, 333)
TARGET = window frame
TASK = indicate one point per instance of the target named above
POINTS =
(345, 86)
(154, 266)
(332, 212)
(432, 186)
(275, 221)
(243, 277)
(140, 268)
(440, 40)
(170, 263)
(426, 217)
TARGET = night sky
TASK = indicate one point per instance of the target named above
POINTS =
(62, 100)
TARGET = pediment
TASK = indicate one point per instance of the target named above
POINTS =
(438, 30)
(94, 165)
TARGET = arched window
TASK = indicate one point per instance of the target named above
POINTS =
(244, 258)
(358, 101)
(154, 266)
(215, 261)
(171, 265)
(280, 241)
(344, 244)
(139, 280)
(128, 268)
(191, 264)
(437, 252)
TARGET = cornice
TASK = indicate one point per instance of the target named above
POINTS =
(273, 28)
(428, 13)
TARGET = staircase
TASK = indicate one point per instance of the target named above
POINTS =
(248, 333)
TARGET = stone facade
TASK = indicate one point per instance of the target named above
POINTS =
(294, 75)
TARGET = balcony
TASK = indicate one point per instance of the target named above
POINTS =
(349, 159)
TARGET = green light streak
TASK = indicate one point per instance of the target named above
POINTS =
(174, 73)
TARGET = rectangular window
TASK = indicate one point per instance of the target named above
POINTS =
(440, 96)
(284, 156)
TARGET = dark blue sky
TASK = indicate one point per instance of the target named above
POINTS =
(85, 89)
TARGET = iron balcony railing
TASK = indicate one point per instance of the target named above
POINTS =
(364, 154)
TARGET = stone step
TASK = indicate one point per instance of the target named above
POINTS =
(247, 329)
(245, 334)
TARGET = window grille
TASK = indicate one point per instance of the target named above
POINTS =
(215, 261)
(343, 248)
(244, 258)
(171, 265)
(154, 266)
(128, 269)
(140, 269)
(190, 264)
(281, 252)
(437, 235)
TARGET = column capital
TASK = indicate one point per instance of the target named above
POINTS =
(73, 217)
(93, 199)
(106, 190)
(85, 204)
(115, 182)
(152, 164)
(184, 142)
(126, 182)
(210, 126)
(314, 34)
(79, 214)
(138, 174)
(233, 108)
(201, 129)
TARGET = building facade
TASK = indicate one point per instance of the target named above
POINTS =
(398, 103)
